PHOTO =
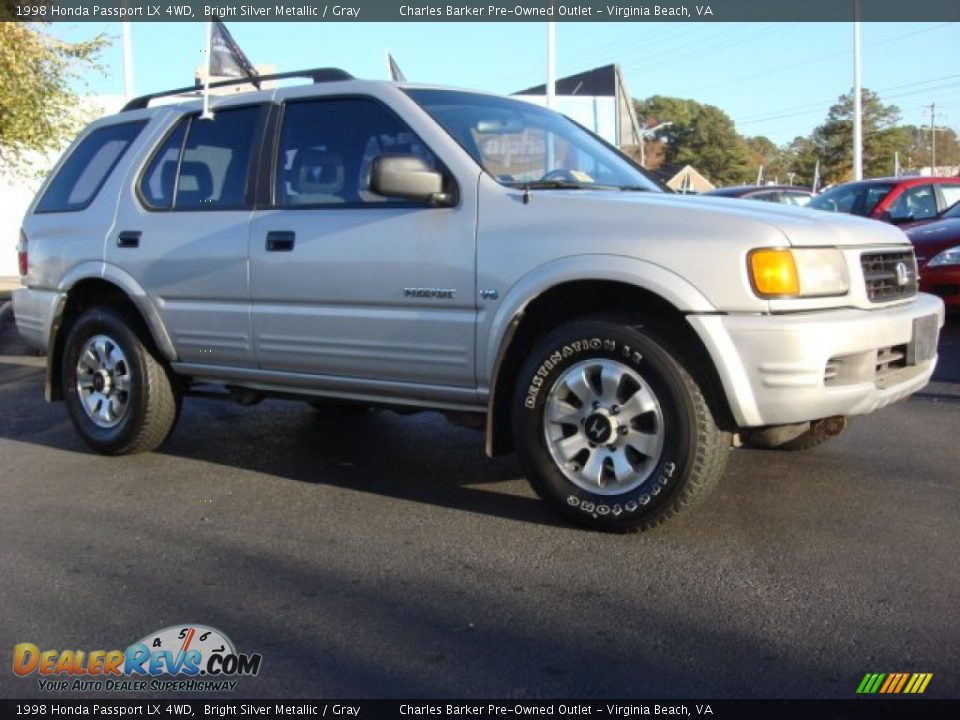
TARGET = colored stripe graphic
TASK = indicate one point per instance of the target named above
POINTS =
(894, 683)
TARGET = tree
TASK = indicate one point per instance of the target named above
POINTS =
(38, 107)
(700, 135)
(834, 138)
(776, 161)
(915, 148)
(802, 156)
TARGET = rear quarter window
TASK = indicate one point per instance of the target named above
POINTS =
(87, 168)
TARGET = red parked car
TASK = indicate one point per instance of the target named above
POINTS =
(937, 245)
(895, 200)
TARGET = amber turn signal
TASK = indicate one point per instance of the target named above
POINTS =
(773, 273)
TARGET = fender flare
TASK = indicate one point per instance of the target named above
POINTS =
(642, 274)
(132, 289)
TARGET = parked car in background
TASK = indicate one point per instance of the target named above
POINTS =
(783, 194)
(937, 245)
(895, 200)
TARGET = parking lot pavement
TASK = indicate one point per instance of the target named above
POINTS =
(385, 556)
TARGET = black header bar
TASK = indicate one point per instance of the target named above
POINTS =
(482, 10)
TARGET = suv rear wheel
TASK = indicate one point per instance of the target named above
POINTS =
(612, 430)
(120, 397)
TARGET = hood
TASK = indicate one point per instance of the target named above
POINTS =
(934, 237)
(798, 226)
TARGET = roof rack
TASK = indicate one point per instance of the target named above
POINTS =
(317, 75)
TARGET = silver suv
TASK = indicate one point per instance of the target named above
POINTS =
(391, 245)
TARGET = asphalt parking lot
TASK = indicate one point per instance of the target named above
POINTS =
(385, 556)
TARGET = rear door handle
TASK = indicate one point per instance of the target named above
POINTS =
(280, 241)
(128, 239)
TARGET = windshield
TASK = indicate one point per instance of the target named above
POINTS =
(519, 143)
(953, 211)
(853, 198)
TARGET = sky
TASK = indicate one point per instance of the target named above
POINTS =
(773, 79)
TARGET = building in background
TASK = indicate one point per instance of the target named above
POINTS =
(599, 100)
(683, 179)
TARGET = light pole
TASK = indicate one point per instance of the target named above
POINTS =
(644, 134)
(857, 102)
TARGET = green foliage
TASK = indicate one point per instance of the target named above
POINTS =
(704, 137)
(39, 110)
(834, 138)
(700, 135)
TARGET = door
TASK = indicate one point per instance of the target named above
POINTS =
(184, 236)
(351, 284)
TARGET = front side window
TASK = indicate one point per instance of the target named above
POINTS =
(327, 149)
(203, 164)
(519, 143)
(88, 167)
(916, 203)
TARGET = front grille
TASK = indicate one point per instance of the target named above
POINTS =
(889, 275)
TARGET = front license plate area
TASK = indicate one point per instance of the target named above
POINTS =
(923, 346)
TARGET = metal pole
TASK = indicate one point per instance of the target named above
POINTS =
(933, 140)
(127, 60)
(551, 63)
(857, 100)
(206, 114)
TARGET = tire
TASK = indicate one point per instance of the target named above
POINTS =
(648, 449)
(134, 405)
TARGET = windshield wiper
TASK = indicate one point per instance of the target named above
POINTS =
(556, 185)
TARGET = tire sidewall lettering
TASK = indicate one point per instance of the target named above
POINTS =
(673, 464)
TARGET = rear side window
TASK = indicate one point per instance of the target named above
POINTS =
(160, 179)
(203, 164)
(86, 170)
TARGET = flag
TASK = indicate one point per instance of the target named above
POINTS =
(226, 57)
(396, 74)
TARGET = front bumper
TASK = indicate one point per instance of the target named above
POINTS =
(780, 369)
(35, 312)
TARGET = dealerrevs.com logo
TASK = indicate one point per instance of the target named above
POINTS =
(186, 658)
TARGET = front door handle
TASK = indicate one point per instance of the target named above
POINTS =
(129, 239)
(280, 241)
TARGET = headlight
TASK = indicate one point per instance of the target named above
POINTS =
(798, 272)
(947, 257)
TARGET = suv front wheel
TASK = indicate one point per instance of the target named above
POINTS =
(120, 397)
(613, 432)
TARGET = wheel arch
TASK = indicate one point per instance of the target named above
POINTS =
(114, 289)
(580, 298)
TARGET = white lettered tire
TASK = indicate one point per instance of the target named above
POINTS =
(612, 429)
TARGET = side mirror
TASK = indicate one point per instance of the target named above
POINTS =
(900, 216)
(409, 177)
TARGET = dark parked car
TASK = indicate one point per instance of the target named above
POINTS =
(895, 200)
(785, 194)
(937, 245)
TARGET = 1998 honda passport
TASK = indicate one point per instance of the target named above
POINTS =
(415, 246)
